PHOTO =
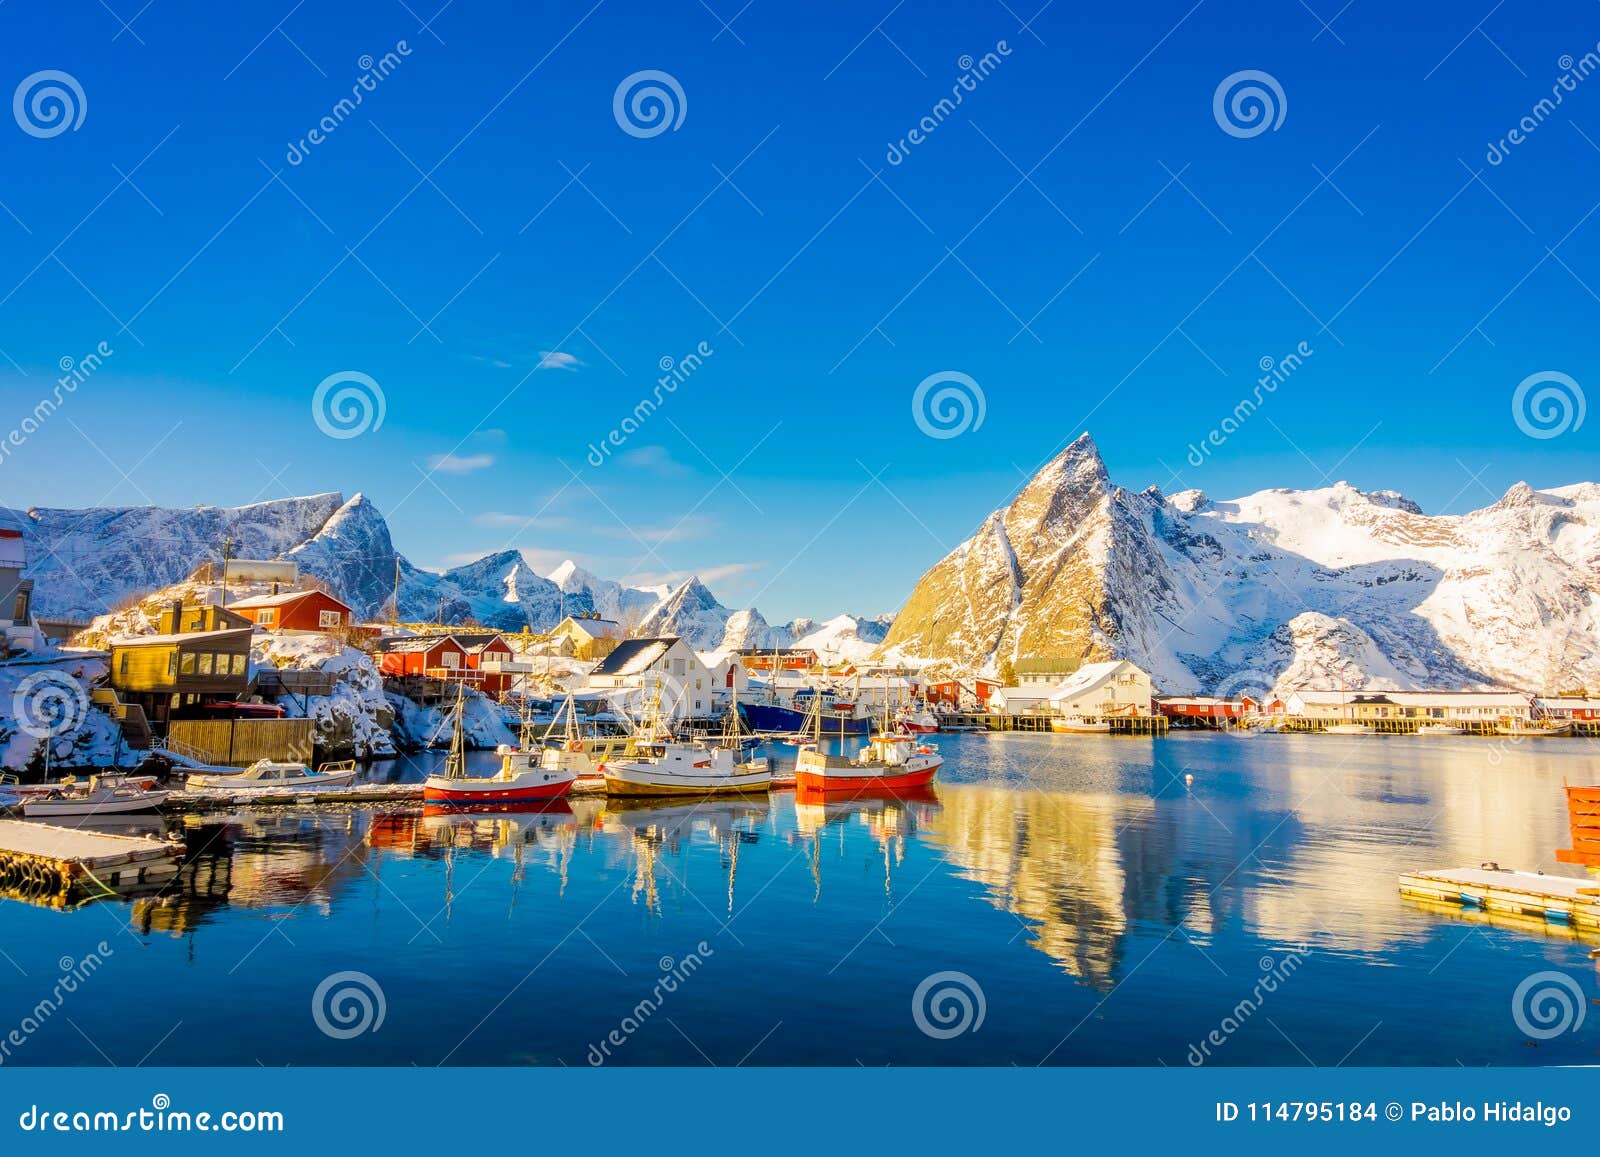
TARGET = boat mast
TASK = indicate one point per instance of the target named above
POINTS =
(455, 764)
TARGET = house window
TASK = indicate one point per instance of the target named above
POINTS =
(19, 612)
(123, 666)
(239, 662)
(327, 619)
(205, 663)
(450, 659)
(186, 663)
(267, 616)
(172, 663)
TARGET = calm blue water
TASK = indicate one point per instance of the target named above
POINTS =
(1106, 912)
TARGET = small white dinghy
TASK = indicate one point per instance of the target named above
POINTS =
(1439, 730)
(270, 775)
(110, 794)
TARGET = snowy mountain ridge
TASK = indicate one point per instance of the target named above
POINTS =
(85, 562)
(1309, 588)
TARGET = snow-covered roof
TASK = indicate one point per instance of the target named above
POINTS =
(1414, 698)
(634, 656)
(279, 600)
(406, 644)
(1568, 703)
(594, 628)
(184, 637)
(1090, 677)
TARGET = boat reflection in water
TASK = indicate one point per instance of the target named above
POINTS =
(890, 817)
(654, 830)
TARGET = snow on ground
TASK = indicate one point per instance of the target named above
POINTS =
(353, 721)
(487, 724)
(50, 692)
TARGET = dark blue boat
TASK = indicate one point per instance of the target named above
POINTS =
(773, 718)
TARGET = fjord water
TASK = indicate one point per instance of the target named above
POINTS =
(1107, 911)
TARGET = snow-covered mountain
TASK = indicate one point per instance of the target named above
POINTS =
(86, 561)
(1289, 588)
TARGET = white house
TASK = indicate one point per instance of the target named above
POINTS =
(1117, 687)
(1450, 706)
(632, 672)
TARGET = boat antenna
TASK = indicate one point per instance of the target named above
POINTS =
(455, 764)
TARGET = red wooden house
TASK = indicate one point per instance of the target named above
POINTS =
(436, 656)
(949, 693)
(311, 610)
(488, 656)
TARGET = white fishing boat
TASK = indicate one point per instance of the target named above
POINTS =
(1348, 729)
(672, 767)
(522, 777)
(24, 791)
(568, 747)
(110, 794)
(1439, 730)
(1079, 725)
(276, 775)
(917, 721)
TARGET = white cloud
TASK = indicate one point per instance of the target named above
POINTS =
(460, 463)
(556, 360)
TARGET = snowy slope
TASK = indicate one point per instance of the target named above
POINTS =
(1298, 588)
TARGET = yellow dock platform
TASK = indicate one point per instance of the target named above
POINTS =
(1494, 890)
(59, 866)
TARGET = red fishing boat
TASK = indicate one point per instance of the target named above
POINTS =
(522, 778)
(890, 760)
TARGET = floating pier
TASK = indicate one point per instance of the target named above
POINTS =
(60, 867)
(1495, 890)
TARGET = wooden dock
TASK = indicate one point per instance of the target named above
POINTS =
(61, 866)
(1494, 890)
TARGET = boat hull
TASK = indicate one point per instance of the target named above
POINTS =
(233, 783)
(914, 773)
(627, 780)
(530, 788)
(1079, 727)
(48, 808)
(771, 717)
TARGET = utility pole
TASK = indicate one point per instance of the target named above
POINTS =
(227, 553)
(441, 610)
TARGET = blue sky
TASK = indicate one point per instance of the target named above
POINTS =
(1080, 236)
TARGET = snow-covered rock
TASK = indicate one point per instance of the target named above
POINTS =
(1306, 587)
(46, 699)
(353, 721)
(486, 723)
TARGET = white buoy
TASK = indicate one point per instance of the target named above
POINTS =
(1188, 780)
